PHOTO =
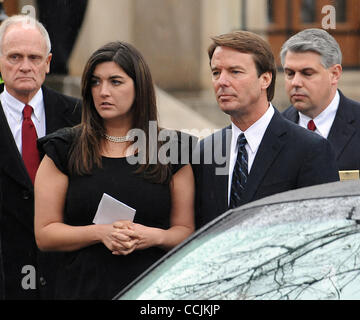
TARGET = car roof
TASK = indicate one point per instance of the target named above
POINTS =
(320, 191)
(327, 190)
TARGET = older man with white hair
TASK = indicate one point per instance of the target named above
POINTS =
(28, 111)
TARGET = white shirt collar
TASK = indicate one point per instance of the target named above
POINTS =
(325, 119)
(255, 132)
(15, 106)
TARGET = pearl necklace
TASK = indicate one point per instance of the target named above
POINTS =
(118, 139)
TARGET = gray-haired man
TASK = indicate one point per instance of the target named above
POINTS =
(28, 109)
(312, 64)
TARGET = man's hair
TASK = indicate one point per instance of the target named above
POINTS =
(250, 43)
(314, 40)
(28, 21)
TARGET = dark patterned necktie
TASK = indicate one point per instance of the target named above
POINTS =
(240, 173)
(30, 153)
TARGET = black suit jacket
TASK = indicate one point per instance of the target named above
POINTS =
(2, 279)
(17, 217)
(344, 135)
(288, 157)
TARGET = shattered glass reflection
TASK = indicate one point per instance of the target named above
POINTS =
(300, 250)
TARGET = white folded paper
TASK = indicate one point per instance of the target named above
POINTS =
(111, 210)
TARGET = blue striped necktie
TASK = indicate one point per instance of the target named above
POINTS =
(240, 173)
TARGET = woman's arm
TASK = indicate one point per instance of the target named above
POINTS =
(181, 216)
(50, 231)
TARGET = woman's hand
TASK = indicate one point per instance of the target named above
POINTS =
(123, 238)
(128, 236)
(148, 236)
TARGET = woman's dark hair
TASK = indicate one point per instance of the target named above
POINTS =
(85, 152)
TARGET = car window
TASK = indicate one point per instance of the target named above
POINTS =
(298, 250)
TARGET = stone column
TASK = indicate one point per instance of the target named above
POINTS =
(104, 21)
(167, 32)
(218, 17)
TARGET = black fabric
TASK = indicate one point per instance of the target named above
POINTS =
(62, 19)
(19, 248)
(2, 278)
(289, 157)
(93, 272)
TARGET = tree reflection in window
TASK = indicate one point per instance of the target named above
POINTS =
(301, 250)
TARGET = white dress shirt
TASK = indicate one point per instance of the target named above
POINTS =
(253, 135)
(13, 109)
(325, 119)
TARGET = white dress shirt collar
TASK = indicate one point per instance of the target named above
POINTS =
(15, 107)
(325, 119)
(254, 133)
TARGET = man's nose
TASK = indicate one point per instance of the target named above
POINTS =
(297, 80)
(223, 79)
(25, 65)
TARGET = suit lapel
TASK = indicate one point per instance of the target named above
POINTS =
(221, 143)
(342, 129)
(59, 111)
(12, 164)
(51, 111)
(270, 146)
(292, 115)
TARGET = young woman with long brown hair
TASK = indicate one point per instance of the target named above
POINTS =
(97, 157)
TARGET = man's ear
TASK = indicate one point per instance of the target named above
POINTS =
(266, 79)
(48, 60)
(335, 72)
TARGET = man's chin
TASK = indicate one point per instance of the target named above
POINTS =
(227, 108)
(23, 92)
(300, 105)
(26, 88)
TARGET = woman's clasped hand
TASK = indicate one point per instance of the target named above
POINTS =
(123, 238)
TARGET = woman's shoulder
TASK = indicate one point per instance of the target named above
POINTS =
(64, 135)
(177, 148)
(57, 146)
(177, 137)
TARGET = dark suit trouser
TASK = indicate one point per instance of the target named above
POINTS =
(62, 19)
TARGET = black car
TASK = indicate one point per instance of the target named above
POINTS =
(300, 244)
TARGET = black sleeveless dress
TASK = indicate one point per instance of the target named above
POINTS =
(94, 272)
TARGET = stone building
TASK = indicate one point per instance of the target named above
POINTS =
(173, 35)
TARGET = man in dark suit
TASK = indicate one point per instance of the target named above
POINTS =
(312, 66)
(24, 62)
(2, 280)
(260, 153)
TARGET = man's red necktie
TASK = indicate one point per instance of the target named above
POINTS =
(311, 125)
(30, 153)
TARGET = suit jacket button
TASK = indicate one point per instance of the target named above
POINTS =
(42, 281)
(26, 195)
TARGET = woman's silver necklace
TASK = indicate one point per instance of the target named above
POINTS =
(118, 139)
